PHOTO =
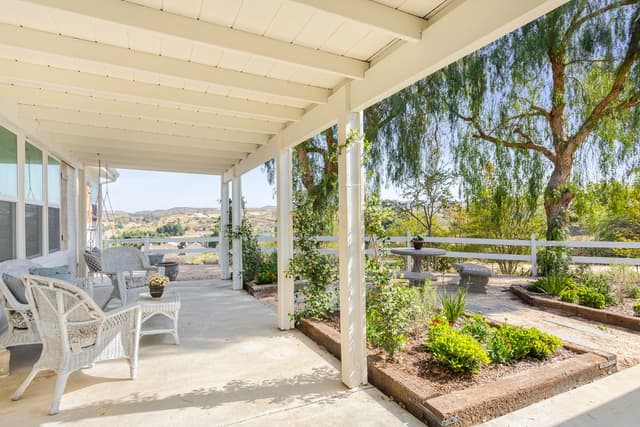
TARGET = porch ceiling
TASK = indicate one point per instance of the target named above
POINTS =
(206, 85)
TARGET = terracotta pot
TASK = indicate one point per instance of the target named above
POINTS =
(417, 244)
(156, 291)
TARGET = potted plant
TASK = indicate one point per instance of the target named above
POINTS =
(157, 284)
(417, 242)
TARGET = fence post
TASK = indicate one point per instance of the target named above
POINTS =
(534, 256)
(147, 244)
(409, 259)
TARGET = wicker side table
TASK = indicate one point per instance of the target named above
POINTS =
(168, 306)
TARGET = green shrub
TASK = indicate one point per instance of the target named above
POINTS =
(511, 343)
(590, 297)
(478, 328)
(265, 277)
(598, 283)
(268, 269)
(636, 308)
(631, 291)
(569, 295)
(458, 351)
(453, 305)
(552, 285)
(390, 309)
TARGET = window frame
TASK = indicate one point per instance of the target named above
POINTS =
(14, 200)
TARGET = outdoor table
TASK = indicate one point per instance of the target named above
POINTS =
(417, 255)
(168, 306)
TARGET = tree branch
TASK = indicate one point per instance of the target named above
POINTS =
(622, 73)
(576, 23)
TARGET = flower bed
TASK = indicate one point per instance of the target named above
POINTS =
(438, 396)
(617, 315)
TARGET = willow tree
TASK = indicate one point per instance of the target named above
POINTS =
(561, 92)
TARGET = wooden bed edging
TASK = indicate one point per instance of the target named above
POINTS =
(598, 315)
(477, 403)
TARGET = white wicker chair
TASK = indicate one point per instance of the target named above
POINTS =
(21, 328)
(75, 332)
(116, 262)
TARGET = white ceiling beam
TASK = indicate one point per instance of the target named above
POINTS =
(65, 100)
(104, 144)
(134, 155)
(134, 137)
(49, 114)
(164, 24)
(78, 49)
(14, 71)
(393, 21)
(457, 30)
(177, 167)
(458, 24)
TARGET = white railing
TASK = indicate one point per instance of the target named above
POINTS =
(531, 256)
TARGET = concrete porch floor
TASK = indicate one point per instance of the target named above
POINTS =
(232, 367)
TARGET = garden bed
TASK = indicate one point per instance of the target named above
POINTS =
(439, 397)
(616, 316)
(261, 290)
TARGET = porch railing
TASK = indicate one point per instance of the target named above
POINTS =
(530, 255)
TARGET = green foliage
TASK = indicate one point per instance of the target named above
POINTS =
(458, 351)
(390, 310)
(631, 291)
(477, 327)
(171, 229)
(552, 285)
(598, 283)
(511, 343)
(590, 297)
(453, 305)
(569, 295)
(309, 264)
(636, 308)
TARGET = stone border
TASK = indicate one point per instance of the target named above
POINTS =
(598, 315)
(479, 403)
(259, 291)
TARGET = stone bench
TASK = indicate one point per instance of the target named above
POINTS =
(474, 276)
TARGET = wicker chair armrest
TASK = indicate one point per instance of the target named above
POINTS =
(152, 269)
(129, 314)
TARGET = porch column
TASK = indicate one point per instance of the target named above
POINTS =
(81, 222)
(21, 232)
(351, 251)
(236, 221)
(285, 239)
(223, 243)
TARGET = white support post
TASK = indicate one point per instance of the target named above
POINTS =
(45, 206)
(21, 231)
(285, 240)
(147, 244)
(351, 251)
(223, 242)
(534, 256)
(236, 221)
(81, 233)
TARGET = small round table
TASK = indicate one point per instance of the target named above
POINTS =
(168, 306)
(417, 255)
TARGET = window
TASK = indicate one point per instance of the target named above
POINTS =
(54, 229)
(8, 193)
(33, 229)
(53, 192)
(33, 173)
(7, 230)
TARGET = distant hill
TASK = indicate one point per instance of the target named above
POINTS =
(185, 211)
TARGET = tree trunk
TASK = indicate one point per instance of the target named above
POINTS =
(558, 196)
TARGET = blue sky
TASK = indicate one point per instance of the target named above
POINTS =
(144, 190)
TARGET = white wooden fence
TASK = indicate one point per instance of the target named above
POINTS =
(530, 257)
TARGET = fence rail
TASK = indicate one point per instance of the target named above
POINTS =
(533, 244)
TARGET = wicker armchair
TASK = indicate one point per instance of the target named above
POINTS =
(119, 264)
(75, 332)
(21, 328)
